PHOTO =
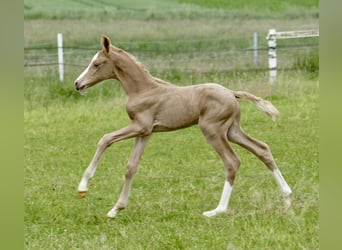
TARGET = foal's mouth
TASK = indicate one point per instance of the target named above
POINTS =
(81, 88)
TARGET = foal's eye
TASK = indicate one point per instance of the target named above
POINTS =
(96, 65)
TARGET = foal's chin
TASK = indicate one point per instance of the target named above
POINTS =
(82, 90)
(86, 86)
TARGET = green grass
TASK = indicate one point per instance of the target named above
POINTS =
(180, 175)
(154, 9)
(272, 5)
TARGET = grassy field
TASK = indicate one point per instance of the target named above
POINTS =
(180, 176)
(154, 9)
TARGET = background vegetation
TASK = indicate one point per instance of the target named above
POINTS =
(180, 176)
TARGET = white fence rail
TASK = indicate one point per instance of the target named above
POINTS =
(272, 37)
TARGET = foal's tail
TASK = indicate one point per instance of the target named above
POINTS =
(265, 106)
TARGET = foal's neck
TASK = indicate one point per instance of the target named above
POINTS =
(132, 74)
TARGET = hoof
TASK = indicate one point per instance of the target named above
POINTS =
(213, 213)
(209, 214)
(113, 212)
(82, 194)
(287, 202)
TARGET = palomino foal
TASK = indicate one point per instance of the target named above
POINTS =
(154, 105)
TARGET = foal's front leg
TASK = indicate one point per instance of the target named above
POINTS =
(129, 131)
(132, 166)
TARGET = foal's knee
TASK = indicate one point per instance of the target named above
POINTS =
(130, 170)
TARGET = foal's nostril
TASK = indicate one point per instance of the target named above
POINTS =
(76, 85)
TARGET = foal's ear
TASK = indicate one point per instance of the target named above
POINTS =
(106, 43)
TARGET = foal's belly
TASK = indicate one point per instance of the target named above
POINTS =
(162, 126)
(176, 112)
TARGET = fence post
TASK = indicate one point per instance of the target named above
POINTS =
(272, 54)
(255, 48)
(60, 56)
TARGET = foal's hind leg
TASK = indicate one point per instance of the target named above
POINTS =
(216, 136)
(262, 151)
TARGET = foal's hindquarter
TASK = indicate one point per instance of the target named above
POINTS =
(165, 107)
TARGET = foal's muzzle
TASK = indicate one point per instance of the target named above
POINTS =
(78, 87)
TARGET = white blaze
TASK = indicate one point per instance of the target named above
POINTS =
(87, 69)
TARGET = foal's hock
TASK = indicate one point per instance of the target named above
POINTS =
(155, 105)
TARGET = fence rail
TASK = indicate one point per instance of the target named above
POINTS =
(272, 37)
(199, 56)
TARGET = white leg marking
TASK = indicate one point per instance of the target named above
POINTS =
(282, 183)
(83, 186)
(112, 213)
(283, 186)
(88, 174)
(223, 204)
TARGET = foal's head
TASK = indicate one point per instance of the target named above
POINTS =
(100, 68)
